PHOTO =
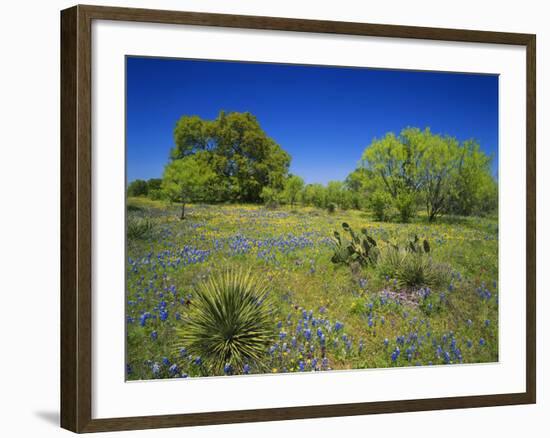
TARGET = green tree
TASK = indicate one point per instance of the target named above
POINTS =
(137, 187)
(188, 180)
(474, 189)
(314, 194)
(271, 197)
(437, 169)
(292, 188)
(244, 158)
(416, 165)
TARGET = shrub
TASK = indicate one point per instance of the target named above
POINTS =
(331, 207)
(405, 203)
(229, 322)
(380, 203)
(138, 228)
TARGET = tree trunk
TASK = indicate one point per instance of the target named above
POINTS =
(182, 217)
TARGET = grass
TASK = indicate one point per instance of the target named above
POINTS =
(324, 315)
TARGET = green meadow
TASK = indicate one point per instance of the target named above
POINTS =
(425, 295)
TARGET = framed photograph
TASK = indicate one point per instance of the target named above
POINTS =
(271, 218)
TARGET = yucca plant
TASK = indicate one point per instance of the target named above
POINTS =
(138, 228)
(416, 270)
(229, 323)
(391, 260)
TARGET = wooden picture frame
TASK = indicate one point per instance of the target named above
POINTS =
(76, 217)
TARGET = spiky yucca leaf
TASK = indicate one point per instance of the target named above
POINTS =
(229, 322)
(138, 228)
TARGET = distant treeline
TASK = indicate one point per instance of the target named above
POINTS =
(231, 159)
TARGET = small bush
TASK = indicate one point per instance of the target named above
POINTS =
(331, 207)
(381, 205)
(138, 228)
(405, 203)
(229, 323)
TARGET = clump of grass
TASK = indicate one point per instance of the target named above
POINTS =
(138, 228)
(229, 325)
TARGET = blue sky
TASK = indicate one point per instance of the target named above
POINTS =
(323, 116)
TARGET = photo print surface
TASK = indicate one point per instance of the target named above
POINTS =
(295, 218)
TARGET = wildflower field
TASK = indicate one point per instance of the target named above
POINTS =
(322, 315)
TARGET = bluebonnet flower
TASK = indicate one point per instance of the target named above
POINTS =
(173, 369)
(228, 369)
(469, 343)
(446, 357)
(301, 365)
(307, 334)
(198, 360)
(183, 351)
(395, 354)
(386, 342)
(324, 363)
(487, 323)
(165, 361)
(154, 335)
(482, 342)
(155, 368)
(246, 368)
(143, 318)
(338, 326)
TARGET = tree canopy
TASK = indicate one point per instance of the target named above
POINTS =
(237, 150)
(439, 171)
